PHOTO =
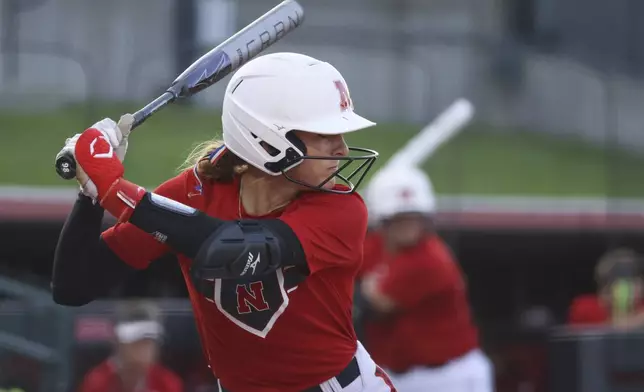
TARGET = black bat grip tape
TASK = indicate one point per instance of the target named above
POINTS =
(65, 165)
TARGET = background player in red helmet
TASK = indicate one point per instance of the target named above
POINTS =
(268, 242)
(418, 322)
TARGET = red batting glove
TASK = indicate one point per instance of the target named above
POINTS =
(97, 157)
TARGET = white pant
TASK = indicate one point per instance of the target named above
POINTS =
(368, 380)
(472, 372)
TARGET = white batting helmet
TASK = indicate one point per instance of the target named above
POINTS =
(275, 94)
(398, 190)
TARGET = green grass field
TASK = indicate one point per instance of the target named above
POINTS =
(478, 161)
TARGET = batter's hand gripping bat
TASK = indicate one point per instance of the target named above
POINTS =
(214, 65)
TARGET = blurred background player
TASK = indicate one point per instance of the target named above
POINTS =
(619, 300)
(133, 366)
(417, 316)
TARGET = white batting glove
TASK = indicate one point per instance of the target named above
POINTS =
(117, 134)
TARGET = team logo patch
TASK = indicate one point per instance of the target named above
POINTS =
(256, 305)
(101, 147)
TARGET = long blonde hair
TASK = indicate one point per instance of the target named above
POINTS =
(224, 170)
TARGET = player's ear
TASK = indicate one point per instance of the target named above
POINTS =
(295, 139)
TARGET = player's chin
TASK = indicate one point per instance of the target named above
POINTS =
(329, 184)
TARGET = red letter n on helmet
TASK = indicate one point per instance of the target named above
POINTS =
(345, 98)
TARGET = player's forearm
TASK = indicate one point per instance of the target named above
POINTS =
(84, 267)
(364, 307)
(377, 300)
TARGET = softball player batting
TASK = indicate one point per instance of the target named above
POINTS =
(418, 323)
(268, 239)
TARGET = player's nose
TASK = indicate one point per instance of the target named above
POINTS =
(340, 147)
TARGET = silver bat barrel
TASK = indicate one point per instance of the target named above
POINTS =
(213, 66)
(238, 49)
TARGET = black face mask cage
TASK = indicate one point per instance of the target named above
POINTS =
(364, 162)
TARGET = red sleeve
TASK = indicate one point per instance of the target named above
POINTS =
(419, 273)
(168, 381)
(136, 247)
(373, 246)
(174, 383)
(331, 229)
(96, 380)
(586, 310)
(89, 385)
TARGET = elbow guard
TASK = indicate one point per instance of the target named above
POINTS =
(246, 249)
(220, 249)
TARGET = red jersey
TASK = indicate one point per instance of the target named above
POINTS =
(590, 310)
(432, 323)
(374, 245)
(105, 378)
(287, 331)
(587, 310)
